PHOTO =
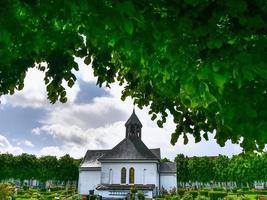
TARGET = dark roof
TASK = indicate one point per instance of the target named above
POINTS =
(125, 187)
(131, 148)
(168, 167)
(133, 120)
(156, 152)
(91, 158)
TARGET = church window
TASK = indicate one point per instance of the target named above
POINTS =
(110, 176)
(131, 176)
(123, 175)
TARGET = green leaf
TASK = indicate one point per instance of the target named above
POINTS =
(154, 116)
(87, 60)
(220, 79)
(70, 83)
(128, 26)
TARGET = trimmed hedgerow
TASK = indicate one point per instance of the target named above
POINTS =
(214, 195)
(204, 193)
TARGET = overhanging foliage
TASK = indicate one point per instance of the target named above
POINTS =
(202, 61)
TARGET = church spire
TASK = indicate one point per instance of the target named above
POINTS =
(133, 126)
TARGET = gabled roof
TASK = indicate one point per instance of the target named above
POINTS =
(168, 167)
(156, 152)
(133, 120)
(91, 158)
(131, 148)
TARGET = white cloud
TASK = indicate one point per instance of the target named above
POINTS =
(76, 140)
(34, 93)
(28, 143)
(51, 150)
(7, 147)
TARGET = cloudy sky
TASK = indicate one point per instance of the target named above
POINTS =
(93, 118)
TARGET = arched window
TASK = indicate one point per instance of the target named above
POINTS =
(123, 175)
(131, 176)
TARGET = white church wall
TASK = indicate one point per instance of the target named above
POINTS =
(145, 173)
(168, 180)
(88, 180)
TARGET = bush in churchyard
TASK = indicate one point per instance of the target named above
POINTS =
(187, 196)
(215, 195)
(140, 195)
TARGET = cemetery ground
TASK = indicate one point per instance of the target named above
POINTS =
(8, 191)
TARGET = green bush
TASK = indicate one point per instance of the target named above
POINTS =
(218, 189)
(141, 195)
(181, 192)
(25, 187)
(201, 197)
(92, 197)
(175, 197)
(234, 190)
(173, 191)
(245, 189)
(215, 195)
(187, 196)
(194, 193)
(43, 190)
(262, 192)
(204, 193)
(229, 198)
(167, 197)
(55, 189)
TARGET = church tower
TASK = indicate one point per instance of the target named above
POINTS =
(133, 126)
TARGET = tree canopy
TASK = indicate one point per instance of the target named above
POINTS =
(242, 169)
(203, 62)
(29, 167)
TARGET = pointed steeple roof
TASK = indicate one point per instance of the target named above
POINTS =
(133, 120)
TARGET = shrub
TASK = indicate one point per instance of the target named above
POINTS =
(92, 197)
(215, 195)
(140, 195)
(173, 191)
(163, 191)
(234, 190)
(175, 197)
(204, 193)
(194, 193)
(25, 187)
(6, 191)
(187, 196)
(54, 189)
(229, 198)
(181, 192)
(218, 189)
(167, 197)
(201, 197)
(245, 189)
(43, 190)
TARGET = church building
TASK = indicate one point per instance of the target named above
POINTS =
(130, 164)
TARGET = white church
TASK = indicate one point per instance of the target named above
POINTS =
(112, 173)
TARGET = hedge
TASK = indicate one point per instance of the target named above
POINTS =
(181, 192)
(193, 193)
(204, 193)
(217, 195)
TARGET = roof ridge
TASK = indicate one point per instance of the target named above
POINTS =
(130, 148)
